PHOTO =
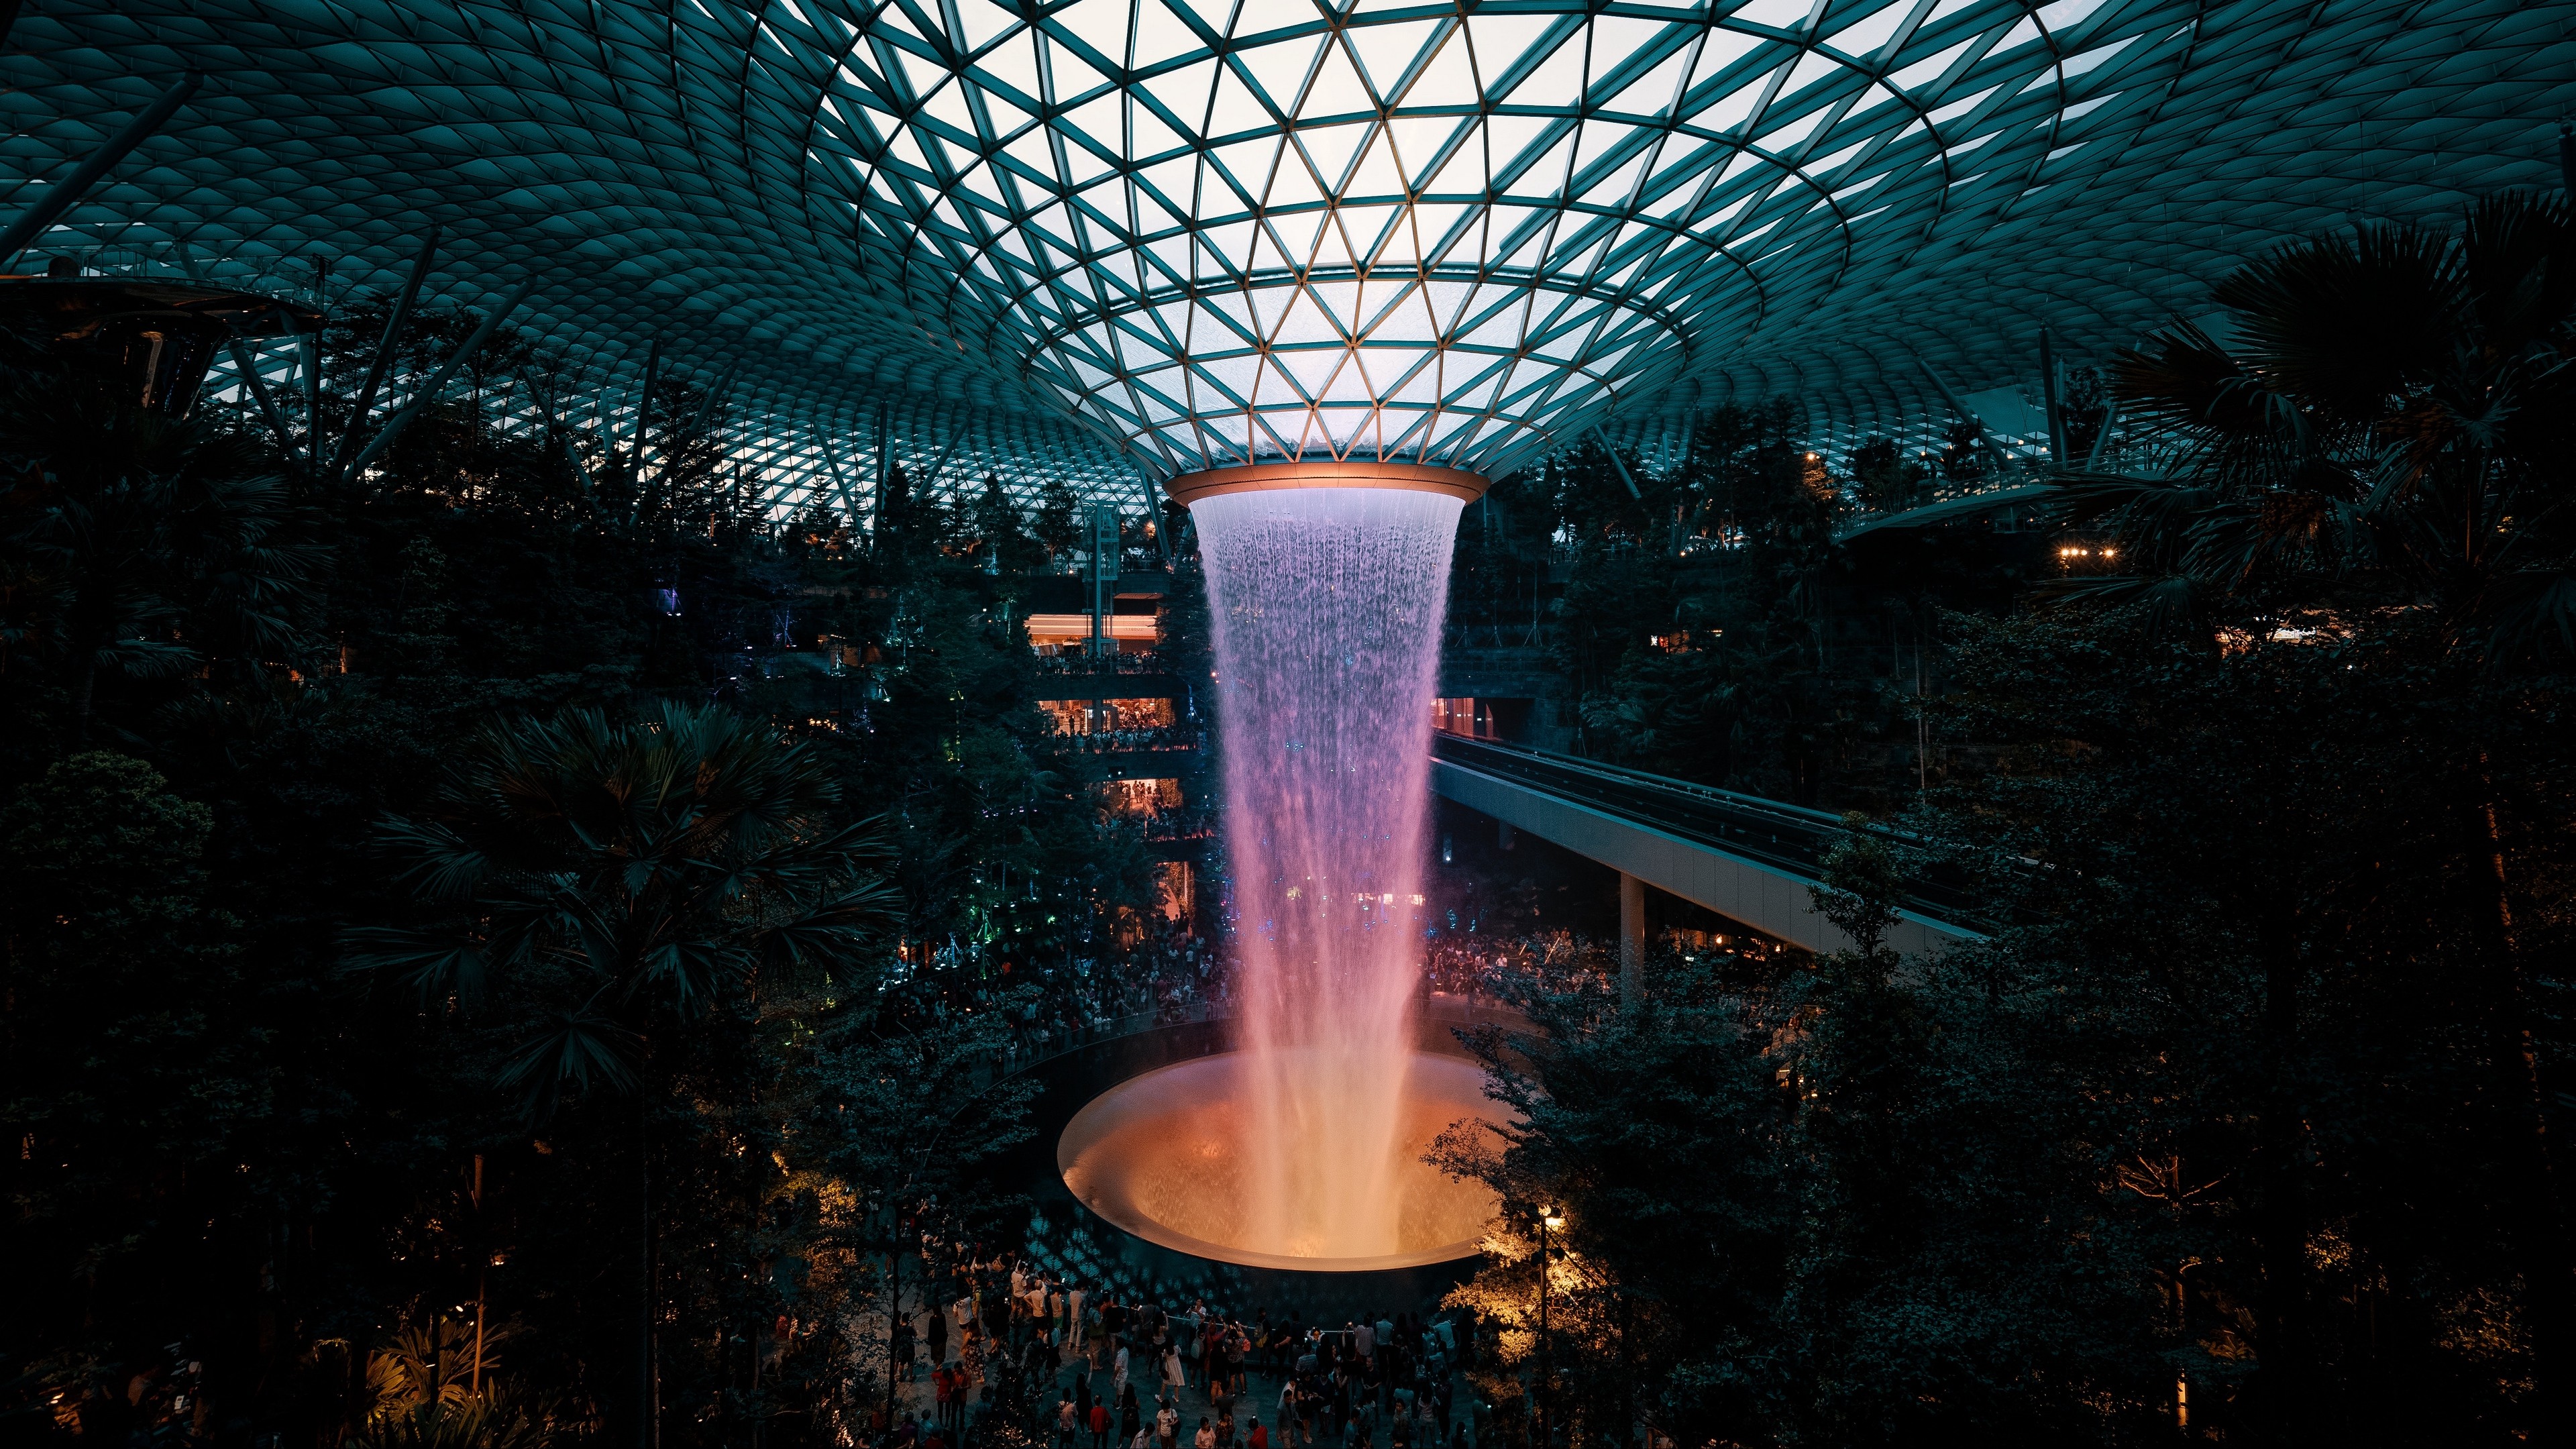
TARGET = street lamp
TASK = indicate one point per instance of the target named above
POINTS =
(1549, 1220)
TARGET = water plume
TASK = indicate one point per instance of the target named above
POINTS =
(1326, 605)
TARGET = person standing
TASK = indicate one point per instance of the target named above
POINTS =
(1099, 1426)
(938, 1335)
(1118, 1371)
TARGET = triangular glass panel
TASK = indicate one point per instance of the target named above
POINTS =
(1304, 323)
(1499, 42)
(1160, 35)
(1377, 173)
(1654, 92)
(1617, 37)
(1278, 70)
(1386, 52)
(1148, 135)
(1728, 111)
(1296, 232)
(1184, 92)
(1329, 149)
(1558, 80)
(1463, 174)
(1099, 24)
(1448, 80)
(1339, 304)
(1337, 89)
(1235, 108)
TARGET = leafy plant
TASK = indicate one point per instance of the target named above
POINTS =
(2391, 424)
(653, 865)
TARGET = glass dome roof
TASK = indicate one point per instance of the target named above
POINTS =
(1111, 240)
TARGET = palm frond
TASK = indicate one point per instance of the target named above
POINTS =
(433, 860)
(147, 658)
(582, 1050)
(836, 931)
(433, 965)
(2181, 378)
(2348, 321)
(688, 974)
(2531, 614)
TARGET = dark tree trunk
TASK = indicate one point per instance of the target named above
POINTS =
(2541, 1212)
(647, 1368)
(2284, 1342)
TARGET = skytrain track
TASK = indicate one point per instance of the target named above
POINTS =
(1788, 838)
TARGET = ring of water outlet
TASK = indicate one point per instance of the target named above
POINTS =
(1189, 488)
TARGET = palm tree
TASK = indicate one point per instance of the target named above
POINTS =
(660, 864)
(155, 544)
(2392, 429)
(667, 861)
(2394, 424)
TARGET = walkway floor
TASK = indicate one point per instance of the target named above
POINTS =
(1260, 1400)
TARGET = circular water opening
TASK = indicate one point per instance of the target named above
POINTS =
(1166, 1156)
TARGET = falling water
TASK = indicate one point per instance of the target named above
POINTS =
(1327, 606)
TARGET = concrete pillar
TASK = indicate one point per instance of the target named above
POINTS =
(1632, 942)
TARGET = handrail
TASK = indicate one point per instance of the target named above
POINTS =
(1789, 838)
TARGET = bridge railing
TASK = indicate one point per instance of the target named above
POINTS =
(1787, 837)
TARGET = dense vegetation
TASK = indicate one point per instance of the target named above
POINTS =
(481, 888)
(2251, 1104)
(467, 920)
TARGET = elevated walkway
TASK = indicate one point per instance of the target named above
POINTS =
(1746, 858)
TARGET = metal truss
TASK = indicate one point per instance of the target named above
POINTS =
(1108, 240)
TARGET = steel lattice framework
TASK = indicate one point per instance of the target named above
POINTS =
(1108, 240)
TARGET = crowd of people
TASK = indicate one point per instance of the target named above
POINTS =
(1483, 969)
(1163, 975)
(1086, 1370)
(1142, 737)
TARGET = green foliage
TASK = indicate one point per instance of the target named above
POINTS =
(639, 868)
(2242, 1090)
(132, 1069)
(2390, 427)
(439, 1387)
(1059, 524)
(216, 1137)
(140, 546)
(1889, 482)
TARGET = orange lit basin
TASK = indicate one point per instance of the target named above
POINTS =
(1162, 1156)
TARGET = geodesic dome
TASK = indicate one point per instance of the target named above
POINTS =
(1110, 240)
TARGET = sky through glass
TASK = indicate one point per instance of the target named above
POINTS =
(1111, 240)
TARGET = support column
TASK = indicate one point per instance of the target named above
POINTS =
(1632, 942)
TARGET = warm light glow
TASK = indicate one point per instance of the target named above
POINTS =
(1172, 1156)
(1326, 604)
